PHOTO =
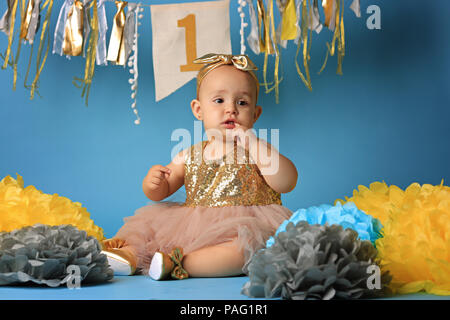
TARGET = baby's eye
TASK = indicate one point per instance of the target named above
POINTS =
(218, 100)
(242, 102)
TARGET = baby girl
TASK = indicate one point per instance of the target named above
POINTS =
(233, 202)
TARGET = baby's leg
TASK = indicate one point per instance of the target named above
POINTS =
(222, 260)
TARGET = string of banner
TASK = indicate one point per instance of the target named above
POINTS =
(82, 24)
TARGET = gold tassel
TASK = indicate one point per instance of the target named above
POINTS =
(26, 21)
(116, 49)
(328, 11)
(264, 41)
(306, 16)
(339, 33)
(44, 31)
(277, 53)
(341, 43)
(268, 45)
(90, 57)
(73, 30)
(11, 34)
(288, 27)
(15, 62)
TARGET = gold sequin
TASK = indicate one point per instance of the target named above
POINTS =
(225, 181)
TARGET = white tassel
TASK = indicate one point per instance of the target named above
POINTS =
(133, 63)
(242, 4)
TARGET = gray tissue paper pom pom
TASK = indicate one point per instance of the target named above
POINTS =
(43, 254)
(315, 262)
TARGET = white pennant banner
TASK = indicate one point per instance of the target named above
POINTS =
(183, 32)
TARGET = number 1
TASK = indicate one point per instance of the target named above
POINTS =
(188, 22)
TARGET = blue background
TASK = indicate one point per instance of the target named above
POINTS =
(387, 118)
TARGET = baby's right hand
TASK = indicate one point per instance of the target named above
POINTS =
(156, 176)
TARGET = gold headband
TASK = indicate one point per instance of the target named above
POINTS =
(213, 61)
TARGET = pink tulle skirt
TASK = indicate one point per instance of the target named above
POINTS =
(164, 225)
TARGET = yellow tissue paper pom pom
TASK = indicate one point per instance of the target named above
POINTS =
(378, 200)
(21, 207)
(415, 247)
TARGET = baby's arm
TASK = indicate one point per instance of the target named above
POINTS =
(278, 171)
(162, 181)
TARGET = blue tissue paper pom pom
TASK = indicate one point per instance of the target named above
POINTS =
(347, 215)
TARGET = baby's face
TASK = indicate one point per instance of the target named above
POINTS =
(226, 100)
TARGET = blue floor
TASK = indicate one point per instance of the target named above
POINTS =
(144, 288)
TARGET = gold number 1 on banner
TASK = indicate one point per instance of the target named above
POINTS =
(188, 22)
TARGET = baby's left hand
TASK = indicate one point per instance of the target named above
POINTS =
(245, 137)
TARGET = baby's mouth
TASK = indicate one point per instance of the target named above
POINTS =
(230, 124)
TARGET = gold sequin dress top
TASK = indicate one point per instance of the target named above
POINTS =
(218, 183)
(226, 200)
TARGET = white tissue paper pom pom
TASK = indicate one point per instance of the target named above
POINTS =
(130, 81)
(137, 121)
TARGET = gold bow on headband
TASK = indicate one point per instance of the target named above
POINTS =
(242, 62)
(214, 60)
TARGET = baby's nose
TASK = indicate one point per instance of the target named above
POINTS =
(231, 108)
